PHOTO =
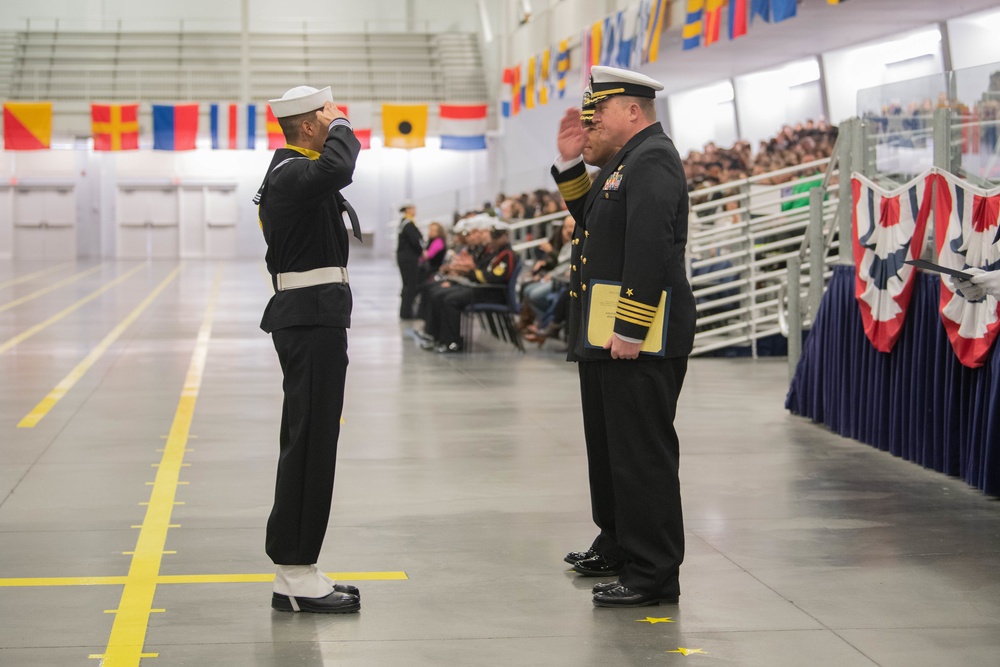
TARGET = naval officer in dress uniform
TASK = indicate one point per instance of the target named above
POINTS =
(301, 214)
(631, 230)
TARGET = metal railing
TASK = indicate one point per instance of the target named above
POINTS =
(741, 241)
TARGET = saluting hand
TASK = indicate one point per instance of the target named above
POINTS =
(572, 136)
(329, 113)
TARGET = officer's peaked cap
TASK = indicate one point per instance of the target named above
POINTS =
(608, 81)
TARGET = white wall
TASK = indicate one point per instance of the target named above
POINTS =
(702, 115)
(384, 178)
(766, 101)
(973, 39)
(916, 54)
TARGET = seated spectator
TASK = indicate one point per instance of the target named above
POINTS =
(433, 256)
(482, 279)
(538, 295)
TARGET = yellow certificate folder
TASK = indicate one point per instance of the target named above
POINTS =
(601, 311)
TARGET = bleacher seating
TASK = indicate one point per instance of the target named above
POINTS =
(208, 66)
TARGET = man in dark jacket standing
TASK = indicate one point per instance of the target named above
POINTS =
(631, 232)
(409, 247)
(301, 211)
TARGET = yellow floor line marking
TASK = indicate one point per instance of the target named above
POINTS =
(128, 633)
(36, 415)
(20, 338)
(51, 288)
(30, 582)
(37, 274)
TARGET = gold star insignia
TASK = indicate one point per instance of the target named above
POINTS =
(653, 621)
(628, 292)
(687, 651)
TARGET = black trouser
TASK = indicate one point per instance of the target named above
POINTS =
(409, 272)
(446, 310)
(633, 457)
(314, 364)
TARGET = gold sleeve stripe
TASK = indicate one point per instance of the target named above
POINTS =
(479, 276)
(575, 189)
(631, 320)
(631, 312)
(636, 304)
(633, 316)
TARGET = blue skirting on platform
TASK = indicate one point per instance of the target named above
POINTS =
(917, 402)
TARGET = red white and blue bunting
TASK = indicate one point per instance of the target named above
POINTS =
(967, 232)
(889, 227)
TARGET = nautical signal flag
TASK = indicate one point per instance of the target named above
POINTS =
(360, 117)
(115, 126)
(27, 126)
(275, 137)
(404, 125)
(463, 127)
(713, 21)
(225, 126)
(175, 126)
(693, 24)
(737, 18)
(654, 27)
(773, 10)
(562, 67)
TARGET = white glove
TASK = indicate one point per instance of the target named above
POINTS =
(988, 282)
(971, 290)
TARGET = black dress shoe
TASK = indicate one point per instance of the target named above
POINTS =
(348, 589)
(620, 596)
(597, 566)
(574, 557)
(605, 586)
(334, 603)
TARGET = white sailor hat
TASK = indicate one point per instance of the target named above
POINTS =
(300, 99)
(498, 228)
(479, 221)
(608, 81)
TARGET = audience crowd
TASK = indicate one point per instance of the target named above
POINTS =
(542, 285)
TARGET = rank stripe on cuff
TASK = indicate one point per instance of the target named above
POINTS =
(630, 312)
(480, 276)
(630, 320)
(576, 188)
(636, 304)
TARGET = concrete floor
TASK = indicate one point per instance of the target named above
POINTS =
(466, 473)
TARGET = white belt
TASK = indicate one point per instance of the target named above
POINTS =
(323, 276)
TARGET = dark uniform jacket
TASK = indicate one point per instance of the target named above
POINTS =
(410, 243)
(301, 215)
(631, 227)
(494, 266)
